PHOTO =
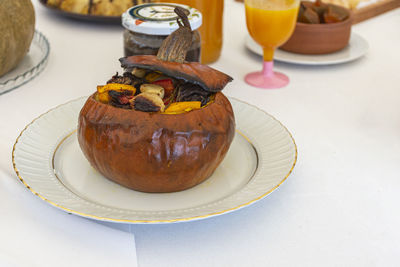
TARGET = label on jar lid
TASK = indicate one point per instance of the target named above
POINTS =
(158, 18)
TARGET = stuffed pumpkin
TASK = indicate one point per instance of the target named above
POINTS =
(162, 126)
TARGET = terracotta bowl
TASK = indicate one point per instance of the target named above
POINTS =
(154, 152)
(319, 38)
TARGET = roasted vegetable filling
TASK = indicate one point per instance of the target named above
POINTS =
(151, 91)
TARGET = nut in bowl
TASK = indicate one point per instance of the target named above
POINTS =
(164, 125)
(320, 29)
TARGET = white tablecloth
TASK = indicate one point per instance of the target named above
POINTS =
(338, 208)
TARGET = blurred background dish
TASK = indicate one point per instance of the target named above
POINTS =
(364, 9)
(356, 48)
(350, 4)
(108, 11)
(30, 66)
(16, 29)
(320, 29)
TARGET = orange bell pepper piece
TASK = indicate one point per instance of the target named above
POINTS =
(181, 107)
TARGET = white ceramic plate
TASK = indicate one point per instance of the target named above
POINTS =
(30, 66)
(357, 48)
(48, 160)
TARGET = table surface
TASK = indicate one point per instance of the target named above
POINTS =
(339, 207)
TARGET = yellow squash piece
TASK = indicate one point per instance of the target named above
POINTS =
(181, 107)
(115, 87)
(103, 97)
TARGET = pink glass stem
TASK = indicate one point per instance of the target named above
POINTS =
(267, 78)
(268, 67)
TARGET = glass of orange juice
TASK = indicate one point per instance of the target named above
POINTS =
(270, 23)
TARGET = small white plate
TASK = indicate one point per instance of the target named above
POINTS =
(48, 160)
(30, 66)
(357, 48)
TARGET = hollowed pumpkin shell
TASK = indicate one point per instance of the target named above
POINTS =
(153, 152)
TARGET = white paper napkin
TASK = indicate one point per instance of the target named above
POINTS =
(33, 233)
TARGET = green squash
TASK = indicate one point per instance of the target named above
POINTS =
(17, 26)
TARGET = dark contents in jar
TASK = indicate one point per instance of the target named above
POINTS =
(144, 44)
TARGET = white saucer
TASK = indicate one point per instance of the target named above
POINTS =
(357, 48)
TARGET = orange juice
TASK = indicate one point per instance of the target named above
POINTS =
(271, 25)
(211, 29)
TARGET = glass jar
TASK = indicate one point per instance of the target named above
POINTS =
(147, 26)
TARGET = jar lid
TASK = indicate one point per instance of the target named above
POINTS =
(158, 18)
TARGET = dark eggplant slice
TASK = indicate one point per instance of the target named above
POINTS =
(190, 92)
